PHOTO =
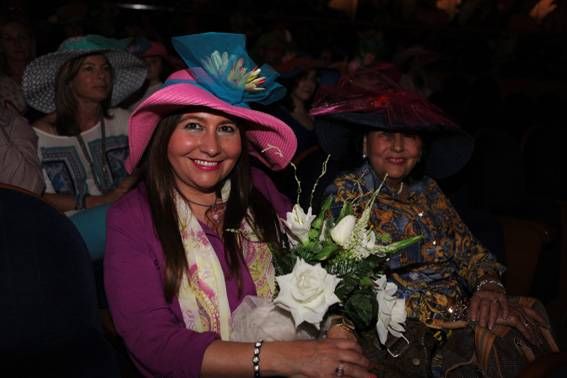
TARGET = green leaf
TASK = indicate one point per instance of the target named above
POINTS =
(284, 262)
(317, 224)
(326, 252)
(366, 282)
(396, 246)
(347, 285)
(345, 210)
(362, 308)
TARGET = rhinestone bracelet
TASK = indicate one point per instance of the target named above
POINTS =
(256, 358)
(485, 282)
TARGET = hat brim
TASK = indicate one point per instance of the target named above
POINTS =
(449, 148)
(39, 77)
(270, 140)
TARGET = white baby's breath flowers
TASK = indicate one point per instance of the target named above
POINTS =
(307, 292)
(391, 310)
(299, 223)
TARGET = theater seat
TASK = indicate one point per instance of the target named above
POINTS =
(49, 321)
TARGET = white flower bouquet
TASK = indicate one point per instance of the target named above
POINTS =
(334, 262)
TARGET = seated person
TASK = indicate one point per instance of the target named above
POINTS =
(449, 278)
(83, 142)
(175, 275)
(19, 164)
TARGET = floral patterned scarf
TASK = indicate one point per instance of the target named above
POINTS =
(202, 294)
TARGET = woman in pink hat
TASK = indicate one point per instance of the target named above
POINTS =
(191, 241)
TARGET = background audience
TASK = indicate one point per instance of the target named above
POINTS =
(497, 68)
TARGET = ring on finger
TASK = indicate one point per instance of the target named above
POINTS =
(340, 370)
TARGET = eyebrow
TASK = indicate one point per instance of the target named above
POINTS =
(86, 63)
(202, 119)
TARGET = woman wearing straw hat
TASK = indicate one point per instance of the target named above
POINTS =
(82, 141)
(450, 278)
(191, 240)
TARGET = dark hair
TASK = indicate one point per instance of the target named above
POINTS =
(65, 100)
(291, 83)
(243, 197)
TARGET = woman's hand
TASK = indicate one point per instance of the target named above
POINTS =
(330, 357)
(339, 331)
(339, 327)
(488, 304)
(123, 187)
(526, 320)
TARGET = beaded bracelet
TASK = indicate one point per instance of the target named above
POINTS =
(485, 282)
(256, 358)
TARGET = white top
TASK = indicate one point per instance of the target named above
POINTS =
(66, 170)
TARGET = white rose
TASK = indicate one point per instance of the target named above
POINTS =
(307, 292)
(391, 310)
(342, 232)
(299, 223)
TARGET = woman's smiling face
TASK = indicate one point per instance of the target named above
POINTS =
(393, 153)
(203, 149)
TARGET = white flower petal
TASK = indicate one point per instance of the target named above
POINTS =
(307, 292)
(299, 223)
(382, 331)
(342, 232)
(391, 310)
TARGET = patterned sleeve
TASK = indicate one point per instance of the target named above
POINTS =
(473, 260)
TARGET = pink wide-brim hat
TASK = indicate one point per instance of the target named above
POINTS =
(270, 140)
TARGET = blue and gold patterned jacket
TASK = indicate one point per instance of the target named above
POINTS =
(440, 271)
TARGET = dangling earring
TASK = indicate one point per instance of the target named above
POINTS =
(363, 155)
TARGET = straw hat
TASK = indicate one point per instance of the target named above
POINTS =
(39, 77)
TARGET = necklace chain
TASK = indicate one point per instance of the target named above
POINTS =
(201, 204)
(103, 183)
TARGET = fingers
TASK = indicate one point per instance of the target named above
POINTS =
(494, 313)
(504, 308)
(350, 370)
(346, 344)
(484, 310)
(533, 314)
(517, 320)
(475, 301)
(339, 332)
(488, 305)
(350, 352)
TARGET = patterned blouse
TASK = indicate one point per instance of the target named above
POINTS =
(66, 168)
(443, 269)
